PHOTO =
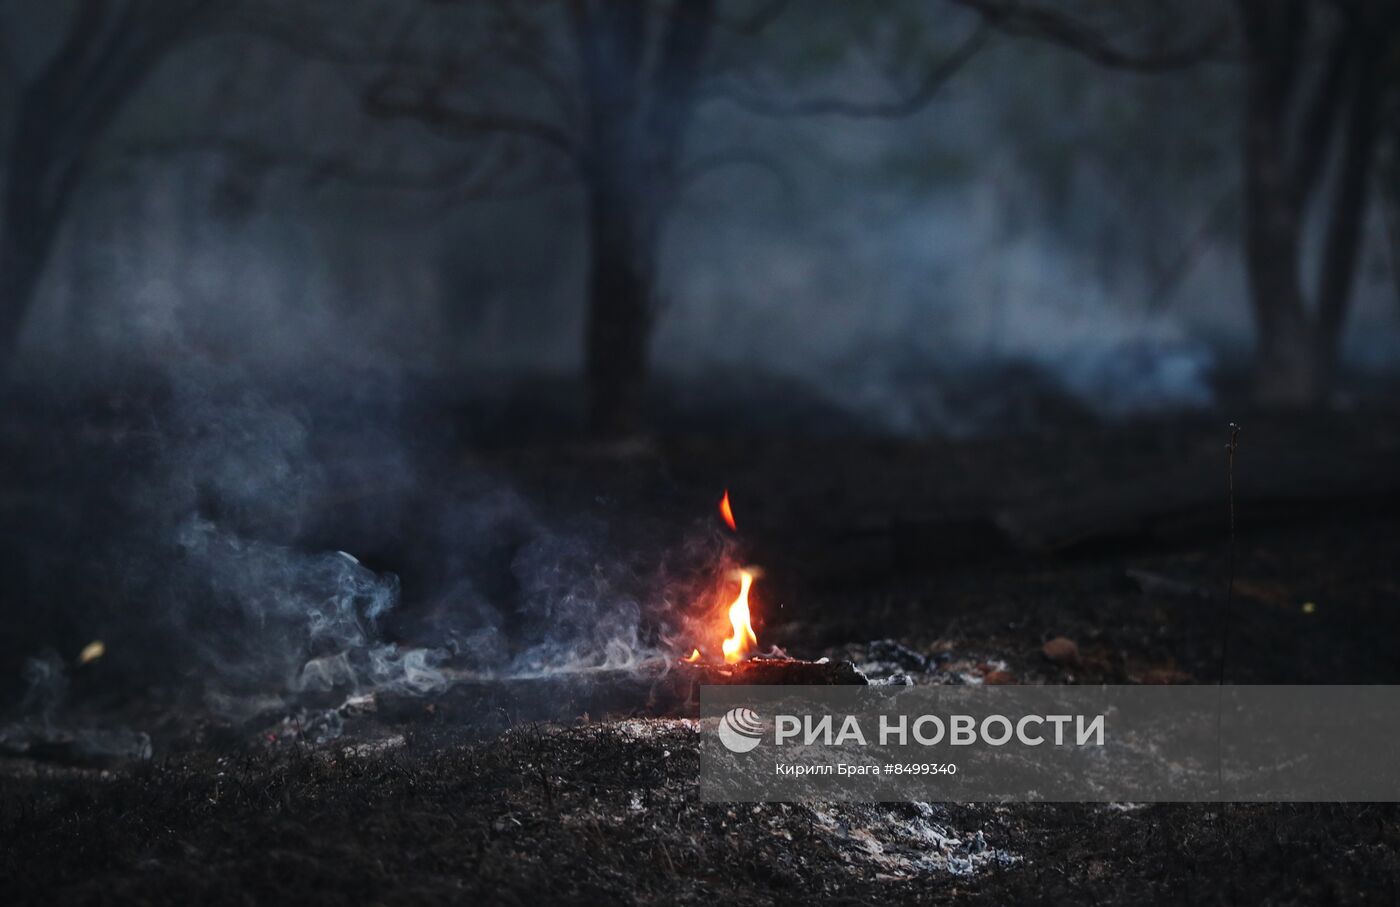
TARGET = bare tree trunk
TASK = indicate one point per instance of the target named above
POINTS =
(19, 278)
(629, 168)
(1345, 236)
(622, 267)
(1286, 370)
(31, 216)
(1287, 366)
(1288, 141)
(107, 51)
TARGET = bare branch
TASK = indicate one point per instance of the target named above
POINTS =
(706, 164)
(429, 108)
(677, 73)
(1318, 127)
(1167, 283)
(521, 47)
(65, 69)
(108, 50)
(1056, 27)
(755, 22)
(312, 44)
(143, 36)
(479, 173)
(915, 100)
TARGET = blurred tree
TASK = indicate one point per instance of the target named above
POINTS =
(61, 112)
(601, 93)
(1299, 119)
(1319, 76)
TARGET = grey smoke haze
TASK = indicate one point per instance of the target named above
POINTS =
(239, 479)
(218, 564)
(1041, 226)
(871, 265)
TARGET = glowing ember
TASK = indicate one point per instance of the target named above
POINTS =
(743, 640)
(727, 512)
(92, 651)
(694, 656)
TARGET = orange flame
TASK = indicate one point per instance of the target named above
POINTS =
(743, 639)
(694, 656)
(727, 512)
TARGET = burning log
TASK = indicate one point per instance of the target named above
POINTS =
(658, 687)
(764, 671)
(679, 692)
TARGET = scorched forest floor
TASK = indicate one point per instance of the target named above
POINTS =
(968, 555)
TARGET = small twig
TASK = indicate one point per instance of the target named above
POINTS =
(1230, 450)
(1186, 258)
(1225, 615)
(894, 108)
(548, 788)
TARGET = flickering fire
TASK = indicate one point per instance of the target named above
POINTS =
(726, 511)
(742, 640)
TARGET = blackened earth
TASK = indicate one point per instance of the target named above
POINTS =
(924, 544)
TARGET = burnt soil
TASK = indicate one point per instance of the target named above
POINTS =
(950, 549)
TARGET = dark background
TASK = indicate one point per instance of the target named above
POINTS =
(498, 297)
(403, 348)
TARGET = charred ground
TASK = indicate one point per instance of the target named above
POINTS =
(968, 555)
(601, 814)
